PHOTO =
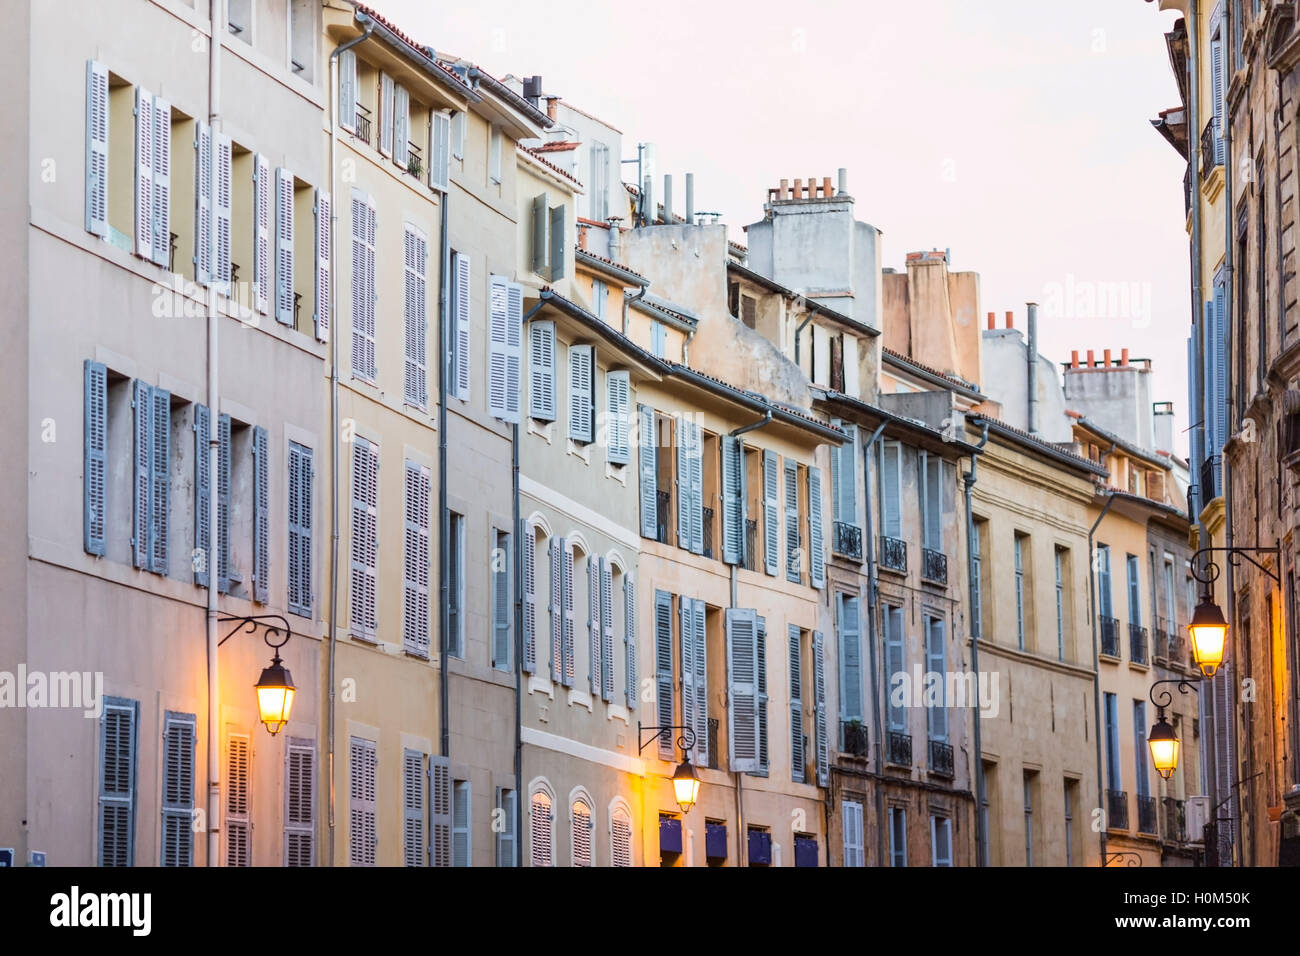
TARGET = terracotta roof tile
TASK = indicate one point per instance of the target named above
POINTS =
(549, 165)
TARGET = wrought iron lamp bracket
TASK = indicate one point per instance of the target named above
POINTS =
(1208, 571)
(685, 740)
(251, 624)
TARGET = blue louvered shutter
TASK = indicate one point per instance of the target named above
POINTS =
(529, 552)
(733, 500)
(684, 499)
(618, 400)
(300, 522)
(144, 128)
(557, 611)
(1217, 87)
(202, 492)
(700, 661)
(261, 516)
(97, 148)
(760, 641)
(819, 691)
(582, 377)
(606, 630)
(771, 514)
(686, 649)
(160, 408)
(95, 488)
(593, 625)
(566, 601)
(848, 636)
(117, 781)
(664, 669)
(415, 584)
(142, 460)
(816, 541)
(793, 550)
(178, 790)
(798, 760)
(697, 490)
(284, 246)
(742, 690)
(223, 503)
(203, 203)
(541, 370)
(1220, 356)
(629, 639)
(649, 471)
(324, 275)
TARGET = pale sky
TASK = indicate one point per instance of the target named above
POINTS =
(1015, 133)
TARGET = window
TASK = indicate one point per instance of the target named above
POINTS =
(458, 134)
(582, 393)
(301, 478)
(239, 826)
(618, 418)
(178, 790)
(658, 339)
(897, 836)
(895, 665)
(1113, 776)
(441, 853)
(541, 370)
(505, 329)
(415, 270)
(598, 187)
(118, 742)
(1030, 785)
(303, 36)
(365, 538)
(977, 580)
(664, 684)
(1171, 610)
(506, 839)
(582, 829)
(541, 852)
(848, 621)
(793, 541)
(1071, 799)
(1020, 590)
(855, 850)
(1062, 557)
(759, 846)
(844, 486)
(940, 840)
(1104, 604)
(363, 287)
(936, 659)
(603, 604)
(549, 228)
(891, 494)
(415, 565)
(599, 298)
(494, 155)
(991, 810)
(300, 802)
(620, 836)
(689, 459)
(692, 633)
(501, 603)
(1140, 752)
(1134, 591)
(458, 354)
(746, 691)
(414, 846)
(461, 847)
(798, 758)
(932, 488)
(363, 830)
(151, 485)
(456, 585)
(1218, 83)
(348, 90)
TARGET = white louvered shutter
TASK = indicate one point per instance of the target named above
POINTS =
(606, 631)
(348, 90)
(529, 549)
(300, 802)
(223, 503)
(239, 827)
(733, 500)
(581, 834)
(160, 408)
(686, 650)
(283, 246)
(460, 823)
(683, 490)
(363, 829)
(300, 524)
(221, 210)
(541, 222)
(593, 625)
(761, 640)
(203, 203)
(540, 818)
(891, 491)
(819, 691)
(414, 847)
(144, 129)
(853, 832)
(581, 377)
(415, 269)
(142, 494)
(514, 350)
(387, 102)
(462, 330)
(415, 617)
(618, 407)
(498, 319)
(401, 126)
(360, 294)
(798, 759)
(557, 612)
(541, 370)
(771, 513)
(440, 847)
(365, 517)
(664, 670)
(700, 661)
(507, 802)
(629, 642)
(816, 540)
(263, 273)
(324, 287)
(261, 516)
(440, 158)
(742, 689)
(118, 746)
(793, 549)
(696, 463)
(649, 471)
(620, 839)
(177, 790)
(95, 496)
(202, 493)
(162, 182)
(566, 587)
(96, 148)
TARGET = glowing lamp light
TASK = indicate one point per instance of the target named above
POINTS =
(1208, 632)
(275, 692)
(686, 786)
(1164, 746)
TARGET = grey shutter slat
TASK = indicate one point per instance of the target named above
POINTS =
(733, 517)
(618, 390)
(160, 407)
(202, 492)
(440, 811)
(415, 271)
(847, 620)
(143, 124)
(846, 489)
(283, 246)
(798, 761)
(664, 669)
(742, 690)
(261, 516)
(629, 640)
(559, 234)
(760, 669)
(401, 126)
(540, 239)
(363, 829)
(162, 181)
(501, 604)
(793, 551)
(566, 596)
(700, 660)
(606, 631)
(364, 538)
(178, 790)
(414, 848)
(697, 490)
(891, 521)
(498, 319)
(387, 97)
(686, 650)
(541, 370)
(95, 489)
(557, 611)
(263, 271)
(816, 541)
(118, 747)
(514, 350)
(462, 332)
(582, 374)
(819, 690)
(771, 514)
(221, 211)
(348, 90)
(937, 663)
(300, 803)
(593, 625)
(529, 549)
(299, 529)
(142, 494)
(97, 148)
(324, 237)
(239, 842)
(683, 489)
(203, 203)
(415, 583)
(440, 160)
(223, 503)
(649, 471)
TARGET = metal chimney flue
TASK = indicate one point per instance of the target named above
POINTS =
(668, 199)
(1031, 358)
(843, 176)
(690, 199)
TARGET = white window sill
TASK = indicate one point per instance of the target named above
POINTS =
(617, 712)
(541, 685)
(580, 451)
(617, 472)
(544, 430)
(580, 697)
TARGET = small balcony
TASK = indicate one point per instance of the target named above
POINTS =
(415, 161)
(848, 540)
(363, 125)
(1117, 809)
(1160, 645)
(1209, 150)
(713, 743)
(708, 532)
(1210, 486)
(934, 566)
(751, 544)
(1137, 644)
(1109, 628)
(665, 509)
(1175, 829)
(900, 749)
(941, 759)
(893, 554)
(1177, 649)
(1147, 815)
(854, 735)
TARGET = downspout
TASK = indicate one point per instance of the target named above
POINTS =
(444, 519)
(976, 624)
(872, 589)
(1096, 671)
(218, 15)
(629, 299)
(335, 445)
(686, 347)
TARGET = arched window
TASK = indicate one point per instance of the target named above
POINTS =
(620, 835)
(582, 827)
(542, 852)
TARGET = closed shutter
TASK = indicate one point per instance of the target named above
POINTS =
(160, 408)
(649, 471)
(501, 603)
(819, 690)
(507, 803)
(700, 661)
(1219, 356)
(440, 160)
(541, 247)
(593, 625)
(117, 781)
(559, 235)
(324, 236)
(97, 148)
(261, 516)
(514, 350)
(202, 492)
(300, 521)
(221, 206)
(462, 332)
(239, 835)
(686, 648)
(733, 500)
(844, 476)
(742, 689)
(891, 491)
(771, 514)
(363, 291)
(816, 541)
(283, 246)
(582, 372)
(348, 90)
(541, 370)
(415, 303)
(606, 631)
(365, 517)
(203, 203)
(498, 323)
(263, 273)
(685, 497)
(617, 414)
(413, 846)
(557, 609)
(852, 823)
(761, 672)
(932, 501)
(223, 503)
(798, 760)
(620, 839)
(582, 827)
(387, 98)
(566, 591)
(696, 462)
(178, 790)
(540, 818)
(401, 126)
(415, 580)
(300, 802)
(895, 664)
(144, 123)
(629, 640)
(937, 663)
(142, 492)
(95, 493)
(460, 823)
(793, 551)
(440, 849)
(530, 599)
(848, 636)
(664, 669)
(363, 825)
(162, 182)
(1216, 87)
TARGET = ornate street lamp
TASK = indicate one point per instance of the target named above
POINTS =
(1162, 739)
(275, 689)
(686, 784)
(1208, 628)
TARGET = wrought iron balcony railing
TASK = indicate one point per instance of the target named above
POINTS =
(900, 749)
(854, 735)
(1137, 644)
(708, 532)
(893, 554)
(1175, 830)
(751, 544)
(1160, 646)
(1210, 486)
(934, 566)
(1109, 628)
(941, 758)
(1147, 815)
(1117, 809)
(848, 540)
(363, 124)
(665, 507)
(713, 743)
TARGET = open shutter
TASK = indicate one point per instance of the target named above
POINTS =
(501, 609)
(262, 271)
(606, 631)
(300, 515)
(683, 490)
(697, 490)
(221, 203)
(700, 661)
(97, 148)
(117, 781)
(760, 637)
(387, 98)
(239, 835)
(462, 331)
(324, 236)
(771, 514)
(618, 403)
(202, 492)
(415, 303)
(283, 246)
(261, 516)
(440, 161)
(846, 619)
(793, 551)
(854, 846)
(593, 625)
(529, 549)
(664, 669)
(686, 649)
(798, 760)
(742, 689)
(629, 640)
(733, 505)
(541, 370)
(142, 495)
(507, 802)
(936, 653)
(541, 248)
(649, 471)
(816, 542)
(401, 126)
(557, 610)
(365, 528)
(360, 294)
(223, 503)
(514, 350)
(162, 182)
(559, 235)
(300, 803)
(414, 847)
(95, 494)
(144, 124)
(891, 491)
(160, 479)
(581, 376)
(178, 790)
(1219, 356)
(1216, 87)
(363, 830)
(566, 593)
(203, 203)
(498, 319)
(348, 90)
(819, 690)
(440, 811)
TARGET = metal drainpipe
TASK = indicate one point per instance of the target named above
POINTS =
(871, 639)
(218, 15)
(977, 632)
(629, 299)
(444, 519)
(1229, 225)
(1096, 671)
(334, 418)
(1239, 841)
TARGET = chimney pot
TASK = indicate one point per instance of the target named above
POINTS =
(1011, 319)
(1074, 358)
(843, 175)
(798, 188)
(1091, 359)
(1105, 354)
(781, 191)
(1123, 357)
(550, 107)
(993, 321)
(826, 187)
